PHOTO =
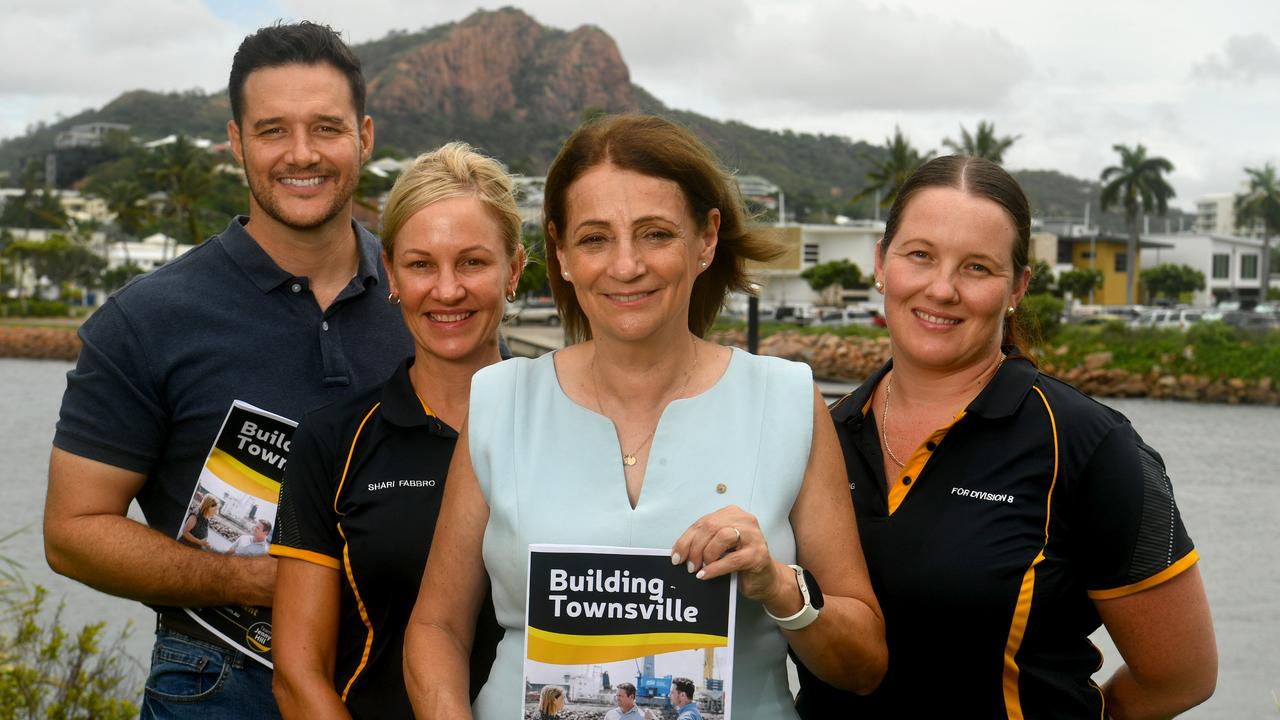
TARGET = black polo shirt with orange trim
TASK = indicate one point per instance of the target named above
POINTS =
(361, 496)
(989, 548)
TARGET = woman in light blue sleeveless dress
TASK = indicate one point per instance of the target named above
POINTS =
(642, 434)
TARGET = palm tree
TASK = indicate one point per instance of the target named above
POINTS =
(1138, 185)
(983, 143)
(126, 199)
(1261, 202)
(888, 174)
(184, 172)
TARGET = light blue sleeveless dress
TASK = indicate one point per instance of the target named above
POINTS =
(551, 472)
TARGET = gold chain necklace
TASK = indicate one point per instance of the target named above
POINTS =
(884, 414)
(629, 458)
(884, 423)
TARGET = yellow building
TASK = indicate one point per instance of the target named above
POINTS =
(1109, 254)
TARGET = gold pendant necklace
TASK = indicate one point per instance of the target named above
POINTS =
(884, 414)
(629, 458)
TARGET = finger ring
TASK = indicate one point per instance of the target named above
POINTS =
(737, 536)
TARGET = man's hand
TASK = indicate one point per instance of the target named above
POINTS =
(88, 537)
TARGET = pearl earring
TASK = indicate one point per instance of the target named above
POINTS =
(565, 273)
(1012, 309)
(704, 264)
(880, 287)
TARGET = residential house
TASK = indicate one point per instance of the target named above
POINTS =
(1232, 265)
(807, 245)
(1110, 255)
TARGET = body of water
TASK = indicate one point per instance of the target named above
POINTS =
(1222, 459)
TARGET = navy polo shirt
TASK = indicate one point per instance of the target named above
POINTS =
(988, 550)
(361, 496)
(163, 359)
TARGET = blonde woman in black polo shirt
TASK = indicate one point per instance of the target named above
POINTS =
(1003, 514)
(365, 476)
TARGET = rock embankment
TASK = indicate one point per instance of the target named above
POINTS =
(39, 343)
(852, 359)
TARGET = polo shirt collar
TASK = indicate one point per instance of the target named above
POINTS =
(267, 275)
(401, 405)
(849, 408)
(1002, 396)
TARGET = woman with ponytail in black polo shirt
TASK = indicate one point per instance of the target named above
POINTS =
(1003, 514)
(362, 490)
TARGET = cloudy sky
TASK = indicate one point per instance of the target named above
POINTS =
(1197, 81)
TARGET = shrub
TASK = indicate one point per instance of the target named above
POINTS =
(34, 308)
(46, 672)
(1039, 317)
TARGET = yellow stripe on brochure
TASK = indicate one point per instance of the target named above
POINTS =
(241, 477)
(561, 649)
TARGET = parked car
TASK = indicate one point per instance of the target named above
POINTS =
(802, 314)
(1250, 320)
(840, 317)
(535, 311)
(1178, 318)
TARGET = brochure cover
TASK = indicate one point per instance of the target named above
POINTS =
(599, 616)
(232, 511)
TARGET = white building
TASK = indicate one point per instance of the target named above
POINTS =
(809, 245)
(1216, 215)
(148, 253)
(1232, 266)
(87, 135)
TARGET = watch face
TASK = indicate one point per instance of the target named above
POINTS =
(815, 592)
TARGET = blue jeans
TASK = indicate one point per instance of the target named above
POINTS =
(191, 678)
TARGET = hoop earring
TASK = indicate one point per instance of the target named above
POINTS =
(393, 298)
(511, 296)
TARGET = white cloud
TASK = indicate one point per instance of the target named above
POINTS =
(1072, 79)
(1245, 59)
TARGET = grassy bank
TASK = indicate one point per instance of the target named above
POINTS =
(1210, 350)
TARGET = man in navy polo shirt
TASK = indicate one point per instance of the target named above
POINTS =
(285, 310)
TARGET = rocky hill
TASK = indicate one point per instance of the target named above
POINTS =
(515, 88)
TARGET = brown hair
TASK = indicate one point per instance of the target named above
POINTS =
(984, 179)
(547, 703)
(658, 148)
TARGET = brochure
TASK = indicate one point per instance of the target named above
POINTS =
(232, 511)
(599, 616)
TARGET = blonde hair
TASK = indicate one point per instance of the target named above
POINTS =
(547, 703)
(452, 170)
(206, 503)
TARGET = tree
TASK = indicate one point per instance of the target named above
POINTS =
(983, 143)
(1041, 278)
(1080, 281)
(1138, 185)
(65, 260)
(889, 173)
(835, 274)
(184, 172)
(1261, 202)
(127, 200)
(116, 277)
(533, 279)
(1172, 281)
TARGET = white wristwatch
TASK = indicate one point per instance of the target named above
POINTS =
(811, 594)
